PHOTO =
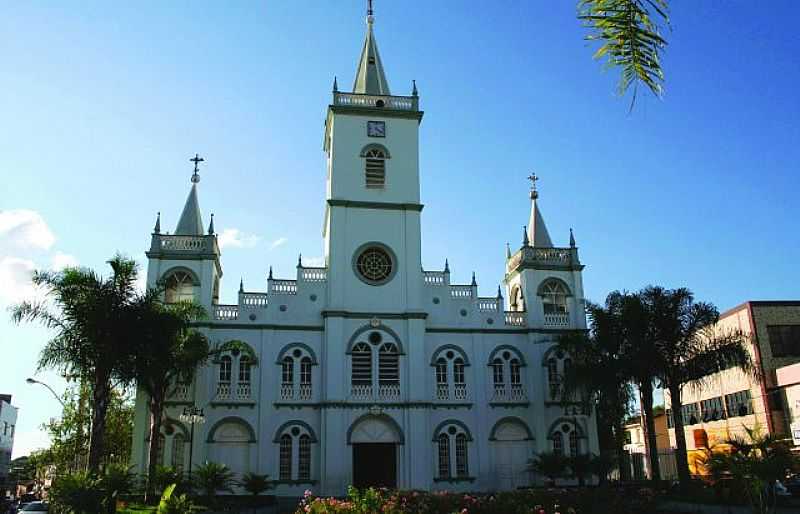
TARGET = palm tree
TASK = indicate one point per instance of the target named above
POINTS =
(211, 477)
(689, 351)
(92, 338)
(255, 484)
(599, 375)
(168, 352)
(550, 464)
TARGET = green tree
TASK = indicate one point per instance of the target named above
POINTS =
(211, 477)
(255, 484)
(631, 35)
(167, 354)
(690, 349)
(92, 339)
(550, 464)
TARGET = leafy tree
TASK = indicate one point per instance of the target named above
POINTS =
(92, 339)
(581, 466)
(77, 493)
(211, 477)
(630, 33)
(255, 484)
(550, 464)
(689, 351)
(168, 352)
(753, 465)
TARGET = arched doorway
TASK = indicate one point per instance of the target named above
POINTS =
(230, 442)
(511, 442)
(374, 440)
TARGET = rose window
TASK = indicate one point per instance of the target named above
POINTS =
(374, 265)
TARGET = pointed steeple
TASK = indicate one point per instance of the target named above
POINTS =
(335, 84)
(499, 293)
(300, 260)
(537, 231)
(191, 222)
(157, 228)
(571, 239)
(473, 283)
(370, 79)
(446, 266)
(508, 251)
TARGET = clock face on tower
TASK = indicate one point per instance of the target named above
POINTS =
(376, 128)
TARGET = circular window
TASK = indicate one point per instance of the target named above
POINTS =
(374, 264)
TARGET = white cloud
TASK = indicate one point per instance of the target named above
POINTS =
(24, 229)
(62, 260)
(15, 279)
(314, 262)
(27, 441)
(235, 238)
(278, 242)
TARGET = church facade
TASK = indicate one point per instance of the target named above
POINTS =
(371, 370)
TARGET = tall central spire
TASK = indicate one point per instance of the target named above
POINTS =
(370, 78)
(537, 231)
(191, 222)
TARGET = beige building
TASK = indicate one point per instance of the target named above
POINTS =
(731, 400)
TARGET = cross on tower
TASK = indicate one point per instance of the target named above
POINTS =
(369, 7)
(533, 178)
(196, 160)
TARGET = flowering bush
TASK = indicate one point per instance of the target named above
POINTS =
(530, 501)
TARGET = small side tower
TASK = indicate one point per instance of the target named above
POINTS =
(542, 280)
(188, 261)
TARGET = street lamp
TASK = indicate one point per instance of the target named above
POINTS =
(34, 381)
(192, 415)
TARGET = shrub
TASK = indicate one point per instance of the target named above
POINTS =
(115, 482)
(211, 477)
(171, 503)
(77, 493)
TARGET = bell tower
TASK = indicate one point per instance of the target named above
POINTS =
(372, 215)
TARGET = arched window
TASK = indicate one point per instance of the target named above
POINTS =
(296, 361)
(244, 370)
(573, 443)
(444, 455)
(362, 365)
(285, 457)
(552, 371)
(462, 468)
(554, 297)
(458, 371)
(287, 370)
(375, 365)
(179, 287)
(305, 370)
(566, 428)
(441, 371)
(558, 442)
(178, 448)
(506, 363)
(304, 458)
(497, 372)
(375, 169)
(225, 364)
(516, 375)
(517, 303)
(449, 362)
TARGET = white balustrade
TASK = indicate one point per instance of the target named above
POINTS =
(399, 103)
(361, 391)
(181, 392)
(287, 391)
(434, 278)
(305, 392)
(389, 391)
(243, 391)
(515, 318)
(489, 304)
(442, 392)
(254, 299)
(499, 393)
(223, 391)
(182, 243)
(556, 319)
(460, 291)
(560, 255)
(518, 393)
(460, 391)
(314, 274)
(282, 286)
(226, 312)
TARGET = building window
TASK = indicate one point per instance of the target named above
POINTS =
(572, 433)
(441, 371)
(462, 469)
(178, 447)
(573, 443)
(362, 365)
(670, 421)
(552, 371)
(287, 370)
(517, 303)
(739, 403)
(304, 458)
(690, 414)
(225, 364)
(558, 443)
(516, 376)
(375, 169)
(712, 409)
(305, 370)
(554, 298)
(444, 456)
(244, 369)
(374, 265)
(286, 457)
(497, 372)
(179, 288)
(784, 340)
(458, 371)
(388, 365)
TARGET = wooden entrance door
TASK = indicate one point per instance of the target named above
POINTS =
(375, 465)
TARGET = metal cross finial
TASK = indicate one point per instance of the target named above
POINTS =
(533, 178)
(196, 160)
(369, 7)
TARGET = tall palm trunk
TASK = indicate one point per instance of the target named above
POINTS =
(681, 458)
(156, 420)
(646, 390)
(101, 396)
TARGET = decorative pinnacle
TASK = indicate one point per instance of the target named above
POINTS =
(446, 266)
(414, 91)
(157, 228)
(370, 17)
(499, 294)
(335, 85)
(508, 250)
(270, 273)
(525, 240)
(300, 260)
(241, 285)
(571, 239)
(534, 193)
(474, 283)
(196, 160)
(211, 225)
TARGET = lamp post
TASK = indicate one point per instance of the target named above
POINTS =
(192, 415)
(34, 381)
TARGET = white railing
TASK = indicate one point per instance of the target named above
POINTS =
(389, 391)
(460, 391)
(243, 391)
(562, 255)
(305, 392)
(552, 256)
(515, 393)
(254, 299)
(515, 318)
(518, 393)
(226, 312)
(182, 243)
(399, 103)
(556, 319)
(489, 304)
(361, 392)
(282, 286)
(434, 278)
(223, 391)
(554, 390)
(499, 393)
(442, 392)
(181, 392)
(460, 291)
(287, 391)
(314, 274)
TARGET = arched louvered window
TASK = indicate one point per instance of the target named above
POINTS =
(552, 371)
(462, 469)
(441, 371)
(305, 370)
(497, 372)
(285, 457)
(244, 370)
(178, 449)
(388, 365)
(554, 297)
(515, 372)
(458, 371)
(179, 288)
(287, 370)
(304, 457)
(375, 169)
(225, 364)
(362, 365)
(444, 455)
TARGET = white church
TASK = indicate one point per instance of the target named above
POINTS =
(370, 370)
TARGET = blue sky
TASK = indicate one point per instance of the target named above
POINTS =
(104, 103)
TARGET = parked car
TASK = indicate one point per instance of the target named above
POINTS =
(793, 484)
(35, 508)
